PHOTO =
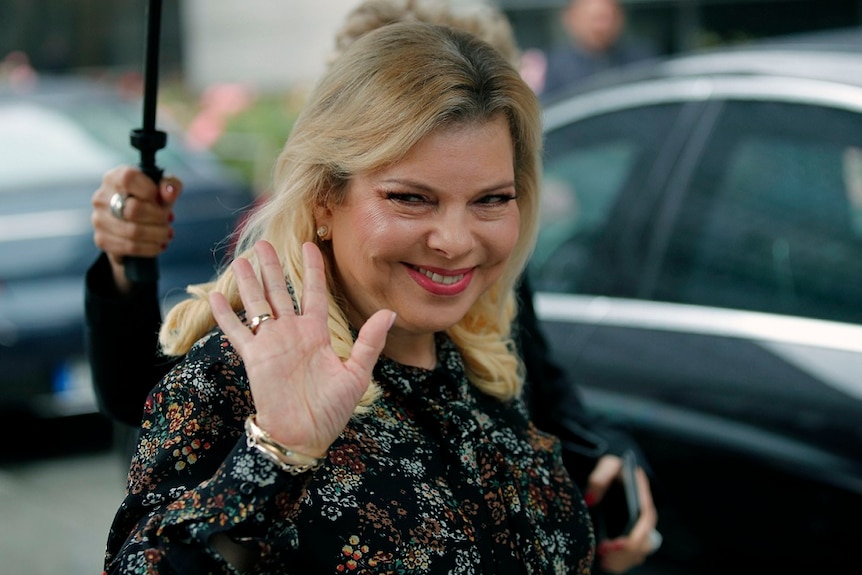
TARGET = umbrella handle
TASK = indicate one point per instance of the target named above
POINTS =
(141, 269)
(147, 139)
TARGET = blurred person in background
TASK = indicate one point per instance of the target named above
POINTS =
(124, 318)
(596, 41)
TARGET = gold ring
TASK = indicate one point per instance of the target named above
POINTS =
(118, 204)
(257, 320)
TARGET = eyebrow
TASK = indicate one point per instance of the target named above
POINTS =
(413, 184)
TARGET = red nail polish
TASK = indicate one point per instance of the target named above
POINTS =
(171, 217)
(589, 499)
(171, 233)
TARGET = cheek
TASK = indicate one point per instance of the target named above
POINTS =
(508, 233)
(364, 233)
(375, 223)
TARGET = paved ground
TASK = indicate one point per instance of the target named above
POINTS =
(56, 504)
(55, 514)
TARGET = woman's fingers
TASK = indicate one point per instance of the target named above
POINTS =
(145, 227)
(648, 519)
(623, 553)
(143, 203)
(369, 344)
(269, 295)
(603, 474)
(274, 283)
(170, 190)
(314, 295)
(266, 298)
(304, 392)
(125, 238)
(236, 331)
(250, 289)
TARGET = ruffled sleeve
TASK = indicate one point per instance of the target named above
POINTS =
(193, 475)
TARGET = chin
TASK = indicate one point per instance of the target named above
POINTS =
(429, 324)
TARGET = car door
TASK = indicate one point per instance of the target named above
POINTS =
(735, 358)
(769, 222)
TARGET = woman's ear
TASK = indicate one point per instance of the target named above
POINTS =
(322, 222)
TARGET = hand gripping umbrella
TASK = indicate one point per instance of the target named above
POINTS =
(147, 139)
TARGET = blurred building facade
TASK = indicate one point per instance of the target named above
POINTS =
(682, 25)
(278, 43)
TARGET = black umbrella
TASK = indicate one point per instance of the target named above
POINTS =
(147, 139)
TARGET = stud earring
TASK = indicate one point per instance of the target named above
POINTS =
(322, 231)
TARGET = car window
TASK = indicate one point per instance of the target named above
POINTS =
(588, 166)
(39, 145)
(771, 220)
(79, 140)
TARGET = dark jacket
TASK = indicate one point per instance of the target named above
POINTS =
(122, 337)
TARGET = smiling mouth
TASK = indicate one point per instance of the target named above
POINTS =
(437, 278)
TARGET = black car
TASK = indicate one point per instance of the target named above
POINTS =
(699, 275)
(57, 138)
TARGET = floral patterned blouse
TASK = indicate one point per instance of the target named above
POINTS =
(438, 478)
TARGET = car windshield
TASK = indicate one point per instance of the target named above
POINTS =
(40, 145)
(78, 137)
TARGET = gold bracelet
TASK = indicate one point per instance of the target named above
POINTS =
(290, 461)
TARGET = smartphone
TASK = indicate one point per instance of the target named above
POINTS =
(619, 509)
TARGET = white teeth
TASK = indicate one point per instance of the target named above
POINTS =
(437, 278)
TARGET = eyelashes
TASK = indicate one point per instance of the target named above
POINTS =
(408, 198)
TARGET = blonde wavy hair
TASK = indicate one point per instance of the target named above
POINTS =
(391, 88)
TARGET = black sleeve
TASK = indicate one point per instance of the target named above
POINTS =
(121, 336)
(555, 402)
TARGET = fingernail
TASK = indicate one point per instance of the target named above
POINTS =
(392, 320)
(164, 246)
(171, 233)
(170, 189)
(601, 550)
(171, 217)
(590, 499)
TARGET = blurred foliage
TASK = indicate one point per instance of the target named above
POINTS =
(247, 137)
(254, 137)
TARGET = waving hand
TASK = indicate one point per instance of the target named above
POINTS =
(303, 392)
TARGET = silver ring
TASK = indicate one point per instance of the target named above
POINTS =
(655, 540)
(257, 320)
(118, 204)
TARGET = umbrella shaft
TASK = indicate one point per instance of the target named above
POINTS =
(151, 63)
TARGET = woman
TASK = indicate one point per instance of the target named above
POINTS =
(370, 420)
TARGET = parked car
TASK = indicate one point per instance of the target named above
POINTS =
(57, 138)
(699, 275)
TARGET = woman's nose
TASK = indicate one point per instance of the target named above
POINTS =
(451, 235)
